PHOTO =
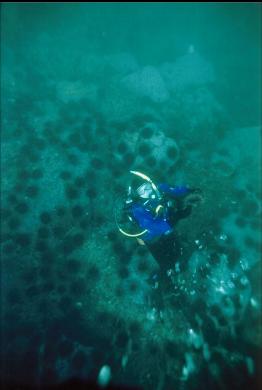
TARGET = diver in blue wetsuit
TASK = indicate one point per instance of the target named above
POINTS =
(154, 210)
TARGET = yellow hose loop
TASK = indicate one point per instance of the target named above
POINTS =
(129, 234)
(158, 208)
(143, 176)
(132, 235)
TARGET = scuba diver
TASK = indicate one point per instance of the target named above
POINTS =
(150, 213)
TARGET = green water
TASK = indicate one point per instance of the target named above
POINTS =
(90, 91)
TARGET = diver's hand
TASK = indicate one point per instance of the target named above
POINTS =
(194, 197)
(195, 191)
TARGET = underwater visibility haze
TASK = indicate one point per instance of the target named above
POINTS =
(90, 91)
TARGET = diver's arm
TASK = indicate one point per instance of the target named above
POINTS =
(175, 190)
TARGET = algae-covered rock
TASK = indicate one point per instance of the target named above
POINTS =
(147, 83)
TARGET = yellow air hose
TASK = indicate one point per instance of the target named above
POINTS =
(144, 177)
(129, 234)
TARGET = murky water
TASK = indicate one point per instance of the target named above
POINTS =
(89, 92)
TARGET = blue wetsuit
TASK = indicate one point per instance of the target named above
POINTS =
(144, 213)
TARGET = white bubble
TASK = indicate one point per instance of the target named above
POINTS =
(104, 376)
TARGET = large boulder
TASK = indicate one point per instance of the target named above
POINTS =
(123, 63)
(188, 70)
(147, 83)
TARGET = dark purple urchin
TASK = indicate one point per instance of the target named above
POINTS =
(71, 192)
(22, 239)
(77, 211)
(65, 175)
(144, 149)
(146, 132)
(21, 207)
(45, 217)
(32, 191)
(172, 152)
(97, 163)
(72, 243)
(78, 287)
(122, 148)
(36, 174)
(73, 265)
(93, 273)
